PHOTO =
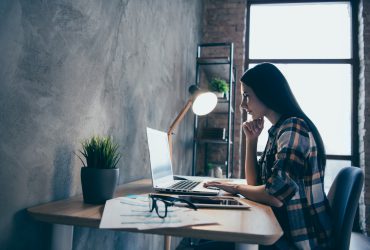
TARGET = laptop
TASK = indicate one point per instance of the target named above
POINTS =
(161, 168)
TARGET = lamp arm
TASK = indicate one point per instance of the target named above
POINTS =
(176, 122)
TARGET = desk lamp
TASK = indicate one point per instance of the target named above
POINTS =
(202, 103)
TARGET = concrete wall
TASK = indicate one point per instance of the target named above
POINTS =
(74, 68)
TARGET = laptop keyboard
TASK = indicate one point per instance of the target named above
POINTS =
(185, 185)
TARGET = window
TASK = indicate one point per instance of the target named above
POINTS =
(311, 43)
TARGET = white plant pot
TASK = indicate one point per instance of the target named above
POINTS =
(219, 94)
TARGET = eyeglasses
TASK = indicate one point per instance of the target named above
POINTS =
(161, 202)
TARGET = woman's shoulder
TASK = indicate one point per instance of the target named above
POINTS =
(294, 133)
(294, 124)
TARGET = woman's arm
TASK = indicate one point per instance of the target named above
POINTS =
(256, 193)
(259, 194)
(251, 162)
(252, 130)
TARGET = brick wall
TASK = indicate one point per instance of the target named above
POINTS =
(224, 21)
(364, 111)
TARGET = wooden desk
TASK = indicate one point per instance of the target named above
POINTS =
(256, 225)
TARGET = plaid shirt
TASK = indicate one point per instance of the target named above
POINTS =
(291, 172)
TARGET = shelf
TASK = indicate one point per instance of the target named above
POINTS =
(221, 164)
(217, 70)
(222, 107)
(222, 100)
(220, 113)
(214, 141)
(208, 141)
(213, 60)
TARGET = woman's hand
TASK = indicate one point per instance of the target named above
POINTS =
(255, 193)
(228, 187)
(253, 129)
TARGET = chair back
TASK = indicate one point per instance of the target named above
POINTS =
(343, 196)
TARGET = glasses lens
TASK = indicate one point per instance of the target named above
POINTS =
(161, 208)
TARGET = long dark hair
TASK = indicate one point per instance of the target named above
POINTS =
(271, 87)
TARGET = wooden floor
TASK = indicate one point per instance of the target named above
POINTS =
(359, 242)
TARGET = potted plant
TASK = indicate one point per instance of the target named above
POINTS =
(99, 174)
(210, 170)
(220, 86)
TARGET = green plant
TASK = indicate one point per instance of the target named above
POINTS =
(210, 165)
(100, 152)
(219, 85)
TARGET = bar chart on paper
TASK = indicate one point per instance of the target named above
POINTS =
(133, 212)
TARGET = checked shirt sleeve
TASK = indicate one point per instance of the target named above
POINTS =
(288, 168)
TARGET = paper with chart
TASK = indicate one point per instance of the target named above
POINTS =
(133, 212)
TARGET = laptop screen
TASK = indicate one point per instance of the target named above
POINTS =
(160, 158)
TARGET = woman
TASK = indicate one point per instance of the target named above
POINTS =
(289, 176)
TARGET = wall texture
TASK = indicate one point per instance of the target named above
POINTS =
(74, 68)
(364, 112)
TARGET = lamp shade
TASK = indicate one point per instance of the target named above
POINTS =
(204, 103)
(201, 102)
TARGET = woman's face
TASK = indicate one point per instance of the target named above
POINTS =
(251, 104)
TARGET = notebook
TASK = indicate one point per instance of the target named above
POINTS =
(161, 168)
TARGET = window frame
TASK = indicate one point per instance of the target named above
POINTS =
(353, 61)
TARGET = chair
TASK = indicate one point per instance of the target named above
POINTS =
(343, 197)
